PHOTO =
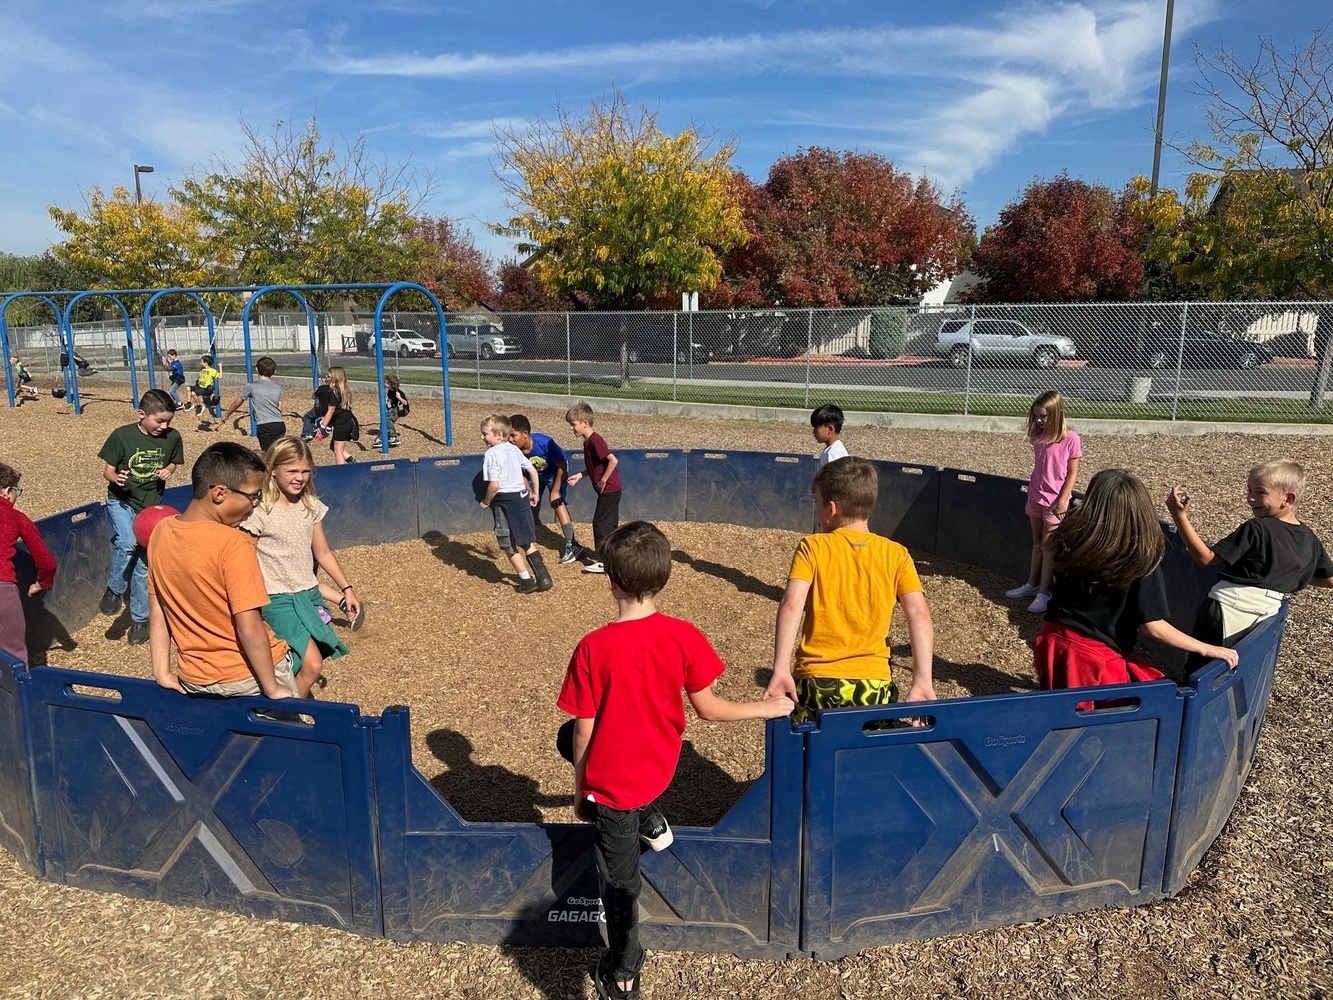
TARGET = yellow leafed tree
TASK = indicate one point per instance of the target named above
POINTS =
(615, 211)
(120, 244)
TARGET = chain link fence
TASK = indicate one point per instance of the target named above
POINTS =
(1257, 361)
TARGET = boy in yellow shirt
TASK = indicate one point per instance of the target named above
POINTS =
(846, 581)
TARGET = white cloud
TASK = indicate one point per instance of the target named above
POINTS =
(991, 82)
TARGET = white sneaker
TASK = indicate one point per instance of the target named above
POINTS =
(594, 567)
(1038, 605)
(1027, 590)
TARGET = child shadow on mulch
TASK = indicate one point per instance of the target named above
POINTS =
(976, 678)
(485, 793)
(470, 559)
(742, 581)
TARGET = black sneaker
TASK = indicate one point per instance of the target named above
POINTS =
(655, 831)
(138, 633)
(571, 554)
(528, 586)
(604, 979)
(110, 602)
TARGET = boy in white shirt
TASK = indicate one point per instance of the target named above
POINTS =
(511, 493)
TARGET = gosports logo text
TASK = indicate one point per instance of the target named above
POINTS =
(1005, 741)
(586, 916)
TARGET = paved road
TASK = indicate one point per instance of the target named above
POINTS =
(1087, 382)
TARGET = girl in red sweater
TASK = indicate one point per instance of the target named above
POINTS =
(16, 527)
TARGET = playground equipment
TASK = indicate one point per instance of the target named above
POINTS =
(1002, 809)
(65, 334)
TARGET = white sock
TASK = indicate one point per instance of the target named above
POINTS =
(525, 575)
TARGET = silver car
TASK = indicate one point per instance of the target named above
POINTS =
(999, 338)
(484, 342)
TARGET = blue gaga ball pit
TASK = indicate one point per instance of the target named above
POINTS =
(1002, 809)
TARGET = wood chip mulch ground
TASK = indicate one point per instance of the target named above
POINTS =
(1254, 921)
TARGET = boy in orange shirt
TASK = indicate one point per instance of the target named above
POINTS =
(205, 588)
(846, 581)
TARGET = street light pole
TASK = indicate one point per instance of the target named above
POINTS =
(138, 169)
(1161, 95)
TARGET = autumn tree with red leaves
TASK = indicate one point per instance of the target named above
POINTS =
(450, 265)
(849, 229)
(1064, 240)
(522, 291)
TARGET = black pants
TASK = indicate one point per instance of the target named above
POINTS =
(268, 433)
(616, 849)
(605, 518)
(1209, 627)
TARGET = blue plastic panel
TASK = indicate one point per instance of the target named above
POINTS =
(1220, 733)
(370, 503)
(982, 522)
(1007, 809)
(18, 816)
(751, 489)
(80, 541)
(445, 503)
(908, 507)
(196, 801)
(655, 487)
(730, 888)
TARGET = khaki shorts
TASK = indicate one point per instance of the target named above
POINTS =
(282, 670)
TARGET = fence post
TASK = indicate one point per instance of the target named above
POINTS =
(569, 362)
(674, 341)
(809, 346)
(967, 375)
(476, 348)
(1180, 359)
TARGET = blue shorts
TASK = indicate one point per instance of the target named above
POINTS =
(518, 511)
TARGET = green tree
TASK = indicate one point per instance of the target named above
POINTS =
(1256, 219)
(296, 210)
(617, 212)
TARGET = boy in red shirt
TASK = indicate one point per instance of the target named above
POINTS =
(623, 688)
(599, 465)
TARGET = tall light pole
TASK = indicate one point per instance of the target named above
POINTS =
(1161, 95)
(139, 194)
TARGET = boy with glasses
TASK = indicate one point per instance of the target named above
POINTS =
(205, 588)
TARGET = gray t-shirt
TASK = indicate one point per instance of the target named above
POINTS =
(265, 397)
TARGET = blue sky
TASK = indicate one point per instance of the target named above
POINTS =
(977, 96)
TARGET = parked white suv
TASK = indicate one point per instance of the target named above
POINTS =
(407, 344)
(994, 339)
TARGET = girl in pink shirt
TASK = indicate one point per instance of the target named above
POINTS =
(1055, 454)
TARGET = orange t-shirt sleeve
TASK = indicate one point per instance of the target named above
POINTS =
(802, 563)
(906, 580)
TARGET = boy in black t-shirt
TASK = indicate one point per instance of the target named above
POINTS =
(1259, 564)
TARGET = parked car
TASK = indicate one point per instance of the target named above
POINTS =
(1206, 350)
(483, 342)
(1201, 349)
(994, 339)
(661, 351)
(404, 343)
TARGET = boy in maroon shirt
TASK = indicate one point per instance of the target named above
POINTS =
(599, 465)
(623, 688)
